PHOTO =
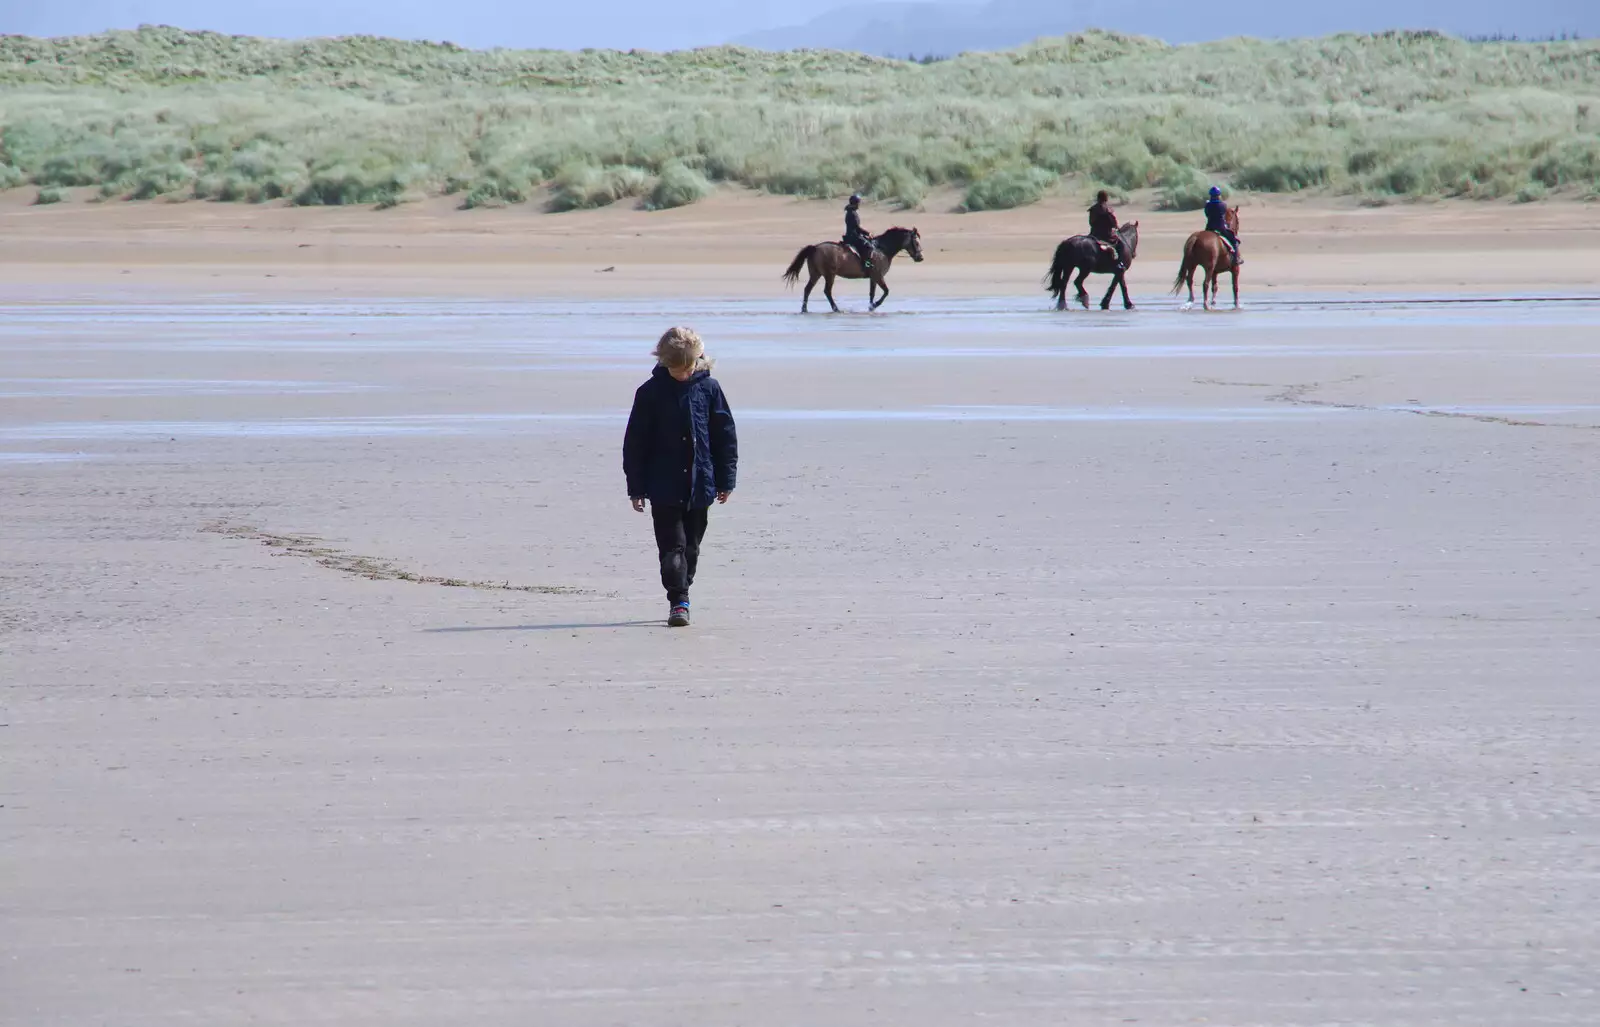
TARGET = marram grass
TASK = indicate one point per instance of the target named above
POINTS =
(163, 112)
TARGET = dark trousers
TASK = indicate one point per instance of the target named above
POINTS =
(679, 530)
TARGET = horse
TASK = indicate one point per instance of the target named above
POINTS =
(1088, 256)
(1208, 250)
(832, 260)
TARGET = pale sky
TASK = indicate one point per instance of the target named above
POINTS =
(673, 24)
(564, 24)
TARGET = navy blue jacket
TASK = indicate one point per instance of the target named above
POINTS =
(1216, 216)
(680, 448)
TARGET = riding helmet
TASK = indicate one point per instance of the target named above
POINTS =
(855, 197)
(1215, 192)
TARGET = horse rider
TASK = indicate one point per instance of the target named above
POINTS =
(1103, 226)
(855, 236)
(1217, 221)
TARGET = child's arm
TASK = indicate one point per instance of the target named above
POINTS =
(636, 451)
(724, 445)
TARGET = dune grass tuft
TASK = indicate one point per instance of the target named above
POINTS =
(678, 186)
(1284, 175)
(583, 186)
(493, 192)
(1183, 188)
(1009, 187)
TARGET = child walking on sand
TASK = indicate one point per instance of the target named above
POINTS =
(680, 452)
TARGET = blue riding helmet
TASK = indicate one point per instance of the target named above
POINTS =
(1215, 192)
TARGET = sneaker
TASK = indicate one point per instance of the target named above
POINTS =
(679, 617)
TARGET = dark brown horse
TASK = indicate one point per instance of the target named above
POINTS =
(1209, 251)
(832, 260)
(1088, 256)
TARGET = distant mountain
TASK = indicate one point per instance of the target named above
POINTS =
(946, 29)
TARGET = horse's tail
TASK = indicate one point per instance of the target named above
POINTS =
(1185, 266)
(1060, 270)
(793, 274)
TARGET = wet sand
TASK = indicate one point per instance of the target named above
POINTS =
(1156, 668)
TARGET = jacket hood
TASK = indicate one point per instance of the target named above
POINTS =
(702, 368)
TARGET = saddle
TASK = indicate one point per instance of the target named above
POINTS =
(872, 252)
(1106, 248)
(1233, 250)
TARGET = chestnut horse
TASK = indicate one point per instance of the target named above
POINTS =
(832, 260)
(1208, 250)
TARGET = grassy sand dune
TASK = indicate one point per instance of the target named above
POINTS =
(166, 113)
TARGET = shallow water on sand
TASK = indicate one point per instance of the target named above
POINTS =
(431, 364)
(755, 329)
(481, 424)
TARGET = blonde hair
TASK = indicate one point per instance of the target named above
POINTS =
(680, 348)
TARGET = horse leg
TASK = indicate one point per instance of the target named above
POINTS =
(805, 301)
(884, 286)
(872, 294)
(827, 290)
(1189, 278)
(1083, 294)
(1236, 287)
(1122, 280)
(1105, 301)
(1205, 289)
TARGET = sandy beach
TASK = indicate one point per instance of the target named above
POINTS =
(1153, 667)
(737, 243)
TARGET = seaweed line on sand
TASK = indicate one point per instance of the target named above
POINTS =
(1300, 396)
(313, 548)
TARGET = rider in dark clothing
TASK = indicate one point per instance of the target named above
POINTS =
(855, 236)
(1103, 226)
(1217, 221)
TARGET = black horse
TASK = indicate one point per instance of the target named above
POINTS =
(1089, 257)
(832, 260)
